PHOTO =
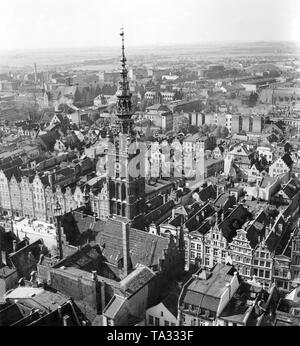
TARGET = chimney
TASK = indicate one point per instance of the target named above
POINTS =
(173, 213)
(125, 239)
(66, 320)
(21, 282)
(94, 275)
(50, 178)
(59, 312)
(32, 276)
(14, 245)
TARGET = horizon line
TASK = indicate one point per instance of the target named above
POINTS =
(151, 45)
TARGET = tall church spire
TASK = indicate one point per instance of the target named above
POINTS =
(124, 104)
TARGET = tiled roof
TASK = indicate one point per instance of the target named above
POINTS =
(137, 279)
(257, 228)
(49, 139)
(22, 260)
(274, 238)
(233, 222)
(196, 221)
(158, 107)
(87, 258)
(206, 293)
(145, 248)
(114, 306)
(159, 213)
(38, 298)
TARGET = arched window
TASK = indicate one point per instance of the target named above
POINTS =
(118, 209)
(123, 210)
(123, 192)
(117, 191)
(112, 189)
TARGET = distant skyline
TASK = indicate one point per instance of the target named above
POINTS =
(49, 24)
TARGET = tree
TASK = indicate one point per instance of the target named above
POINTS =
(183, 125)
(224, 132)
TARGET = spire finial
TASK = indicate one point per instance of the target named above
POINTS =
(123, 59)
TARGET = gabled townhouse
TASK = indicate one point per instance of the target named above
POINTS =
(281, 166)
(204, 297)
(165, 312)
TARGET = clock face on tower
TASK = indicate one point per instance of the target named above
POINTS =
(117, 169)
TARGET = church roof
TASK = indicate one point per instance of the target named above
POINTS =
(145, 248)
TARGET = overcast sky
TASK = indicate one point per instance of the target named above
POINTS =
(81, 23)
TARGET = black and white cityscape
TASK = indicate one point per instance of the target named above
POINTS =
(150, 163)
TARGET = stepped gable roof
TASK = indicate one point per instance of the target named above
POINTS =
(145, 248)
